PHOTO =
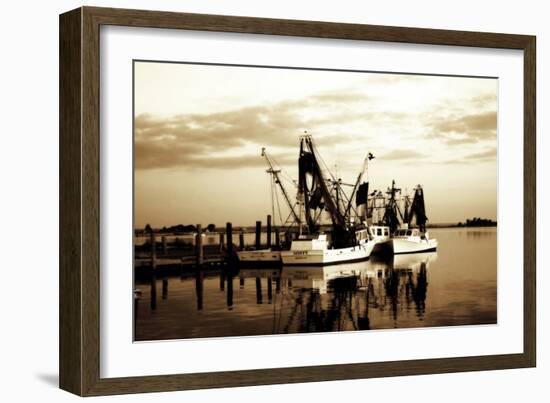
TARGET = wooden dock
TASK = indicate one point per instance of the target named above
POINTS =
(170, 253)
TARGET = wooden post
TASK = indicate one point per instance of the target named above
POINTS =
(277, 238)
(269, 290)
(230, 289)
(153, 251)
(164, 245)
(258, 235)
(268, 231)
(198, 245)
(229, 232)
(164, 288)
(153, 293)
(199, 277)
(259, 296)
(221, 240)
(241, 240)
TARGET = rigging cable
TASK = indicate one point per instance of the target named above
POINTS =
(278, 203)
(272, 183)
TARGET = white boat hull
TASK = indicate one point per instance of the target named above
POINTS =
(403, 245)
(326, 256)
(259, 256)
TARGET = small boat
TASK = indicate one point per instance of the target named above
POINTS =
(259, 256)
(316, 250)
(405, 238)
(412, 240)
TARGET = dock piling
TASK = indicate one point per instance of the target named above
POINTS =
(229, 295)
(229, 233)
(241, 240)
(198, 244)
(259, 297)
(164, 245)
(221, 241)
(153, 251)
(268, 229)
(199, 288)
(258, 235)
(269, 290)
(277, 238)
(164, 288)
(153, 292)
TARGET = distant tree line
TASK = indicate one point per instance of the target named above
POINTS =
(478, 222)
(177, 229)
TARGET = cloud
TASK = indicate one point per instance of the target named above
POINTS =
(470, 128)
(402, 155)
(482, 156)
(233, 138)
(188, 140)
(460, 140)
(337, 97)
(485, 101)
(204, 140)
(488, 155)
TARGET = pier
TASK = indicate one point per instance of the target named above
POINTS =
(163, 252)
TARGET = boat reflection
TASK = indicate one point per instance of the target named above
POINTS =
(341, 297)
(403, 281)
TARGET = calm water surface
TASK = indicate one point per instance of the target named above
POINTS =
(457, 285)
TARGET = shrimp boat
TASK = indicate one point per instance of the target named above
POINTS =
(409, 235)
(412, 240)
(409, 239)
(316, 250)
(345, 241)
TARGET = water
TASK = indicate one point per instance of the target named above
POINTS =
(457, 285)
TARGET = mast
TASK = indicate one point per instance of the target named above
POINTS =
(418, 209)
(275, 174)
(365, 186)
(317, 195)
(406, 208)
(392, 209)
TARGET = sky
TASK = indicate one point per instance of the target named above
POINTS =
(199, 131)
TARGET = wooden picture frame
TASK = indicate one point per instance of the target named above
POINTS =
(80, 184)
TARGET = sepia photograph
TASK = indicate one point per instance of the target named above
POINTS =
(272, 200)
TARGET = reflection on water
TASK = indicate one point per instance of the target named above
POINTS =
(455, 286)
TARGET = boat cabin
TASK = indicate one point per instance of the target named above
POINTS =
(309, 242)
(410, 232)
(362, 235)
(379, 232)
